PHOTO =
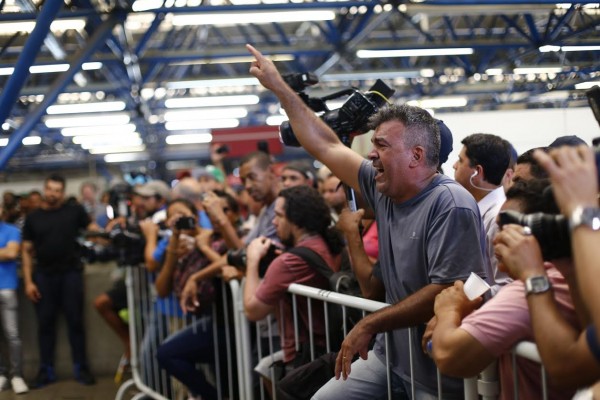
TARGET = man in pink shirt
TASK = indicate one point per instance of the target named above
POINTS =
(464, 342)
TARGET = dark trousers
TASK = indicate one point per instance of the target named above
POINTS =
(180, 353)
(60, 291)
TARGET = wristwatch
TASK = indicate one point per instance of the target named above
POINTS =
(588, 216)
(537, 284)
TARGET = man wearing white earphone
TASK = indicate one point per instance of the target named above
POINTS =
(481, 165)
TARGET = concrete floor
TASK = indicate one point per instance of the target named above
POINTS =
(104, 389)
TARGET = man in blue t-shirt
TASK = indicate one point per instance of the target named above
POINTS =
(430, 234)
(10, 245)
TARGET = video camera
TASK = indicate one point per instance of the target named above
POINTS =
(350, 119)
(552, 231)
(125, 242)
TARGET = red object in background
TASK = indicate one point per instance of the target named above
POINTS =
(242, 141)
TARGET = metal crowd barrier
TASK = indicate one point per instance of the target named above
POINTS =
(149, 326)
(243, 353)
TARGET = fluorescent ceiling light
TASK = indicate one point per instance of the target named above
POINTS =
(537, 70)
(587, 85)
(229, 19)
(109, 139)
(106, 106)
(145, 5)
(91, 120)
(28, 141)
(125, 157)
(205, 114)
(458, 51)
(212, 101)
(363, 75)
(208, 83)
(494, 71)
(203, 124)
(549, 48)
(440, 102)
(191, 138)
(116, 149)
(60, 25)
(276, 120)
(42, 69)
(98, 130)
(234, 60)
(101, 146)
(49, 68)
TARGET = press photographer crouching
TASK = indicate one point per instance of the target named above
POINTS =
(302, 219)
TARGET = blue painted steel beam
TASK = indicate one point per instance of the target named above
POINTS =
(15, 82)
(95, 42)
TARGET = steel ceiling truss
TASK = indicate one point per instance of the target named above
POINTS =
(504, 35)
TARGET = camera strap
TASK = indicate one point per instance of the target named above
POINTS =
(313, 259)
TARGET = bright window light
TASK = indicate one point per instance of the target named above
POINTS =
(229, 19)
(205, 114)
(106, 106)
(212, 101)
(3, 142)
(202, 124)
(191, 138)
(98, 130)
(233, 60)
(91, 120)
(414, 52)
(145, 5)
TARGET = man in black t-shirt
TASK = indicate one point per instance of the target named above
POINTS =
(49, 235)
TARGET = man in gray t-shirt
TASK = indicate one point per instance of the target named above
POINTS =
(430, 234)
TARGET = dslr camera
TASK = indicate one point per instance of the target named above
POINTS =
(351, 118)
(550, 230)
(238, 258)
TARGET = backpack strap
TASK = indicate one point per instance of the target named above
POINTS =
(313, 259)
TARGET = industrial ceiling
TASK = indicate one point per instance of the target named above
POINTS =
(164, 74)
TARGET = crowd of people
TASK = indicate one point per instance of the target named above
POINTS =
(525, 223)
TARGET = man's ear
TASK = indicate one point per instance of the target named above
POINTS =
(418, 155)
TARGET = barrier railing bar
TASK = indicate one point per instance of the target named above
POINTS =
(227, 328)
(310, 329)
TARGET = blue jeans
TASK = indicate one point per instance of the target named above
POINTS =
(180, 353)
(10, 326)
(60, 291)
(368, 380)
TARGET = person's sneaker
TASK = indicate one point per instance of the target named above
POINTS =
(3, 382)
(18, 385)
(84, 376)
(44, 377)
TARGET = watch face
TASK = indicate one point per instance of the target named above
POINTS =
(591, 217)
(538, 284)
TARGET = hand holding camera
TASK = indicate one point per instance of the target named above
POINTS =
(518, 254)
(257, 249)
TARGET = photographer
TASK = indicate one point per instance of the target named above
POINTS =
(190, 249)
(302, 219)
(464, 341)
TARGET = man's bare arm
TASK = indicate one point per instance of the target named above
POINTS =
(313, 134)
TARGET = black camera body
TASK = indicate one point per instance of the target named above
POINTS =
(351, 118)
(238, 258)
(551, 231)
(185, 223)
